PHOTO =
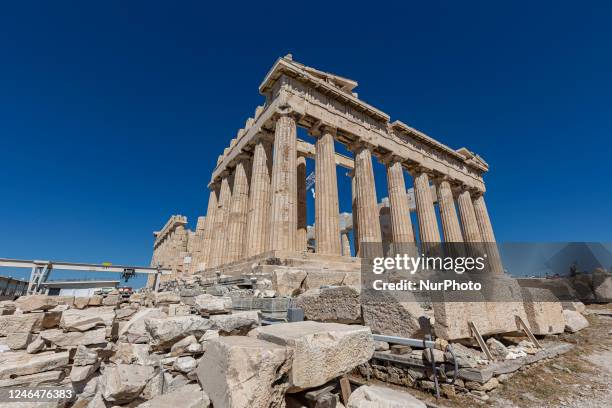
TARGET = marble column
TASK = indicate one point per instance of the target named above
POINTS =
(354, 212)
(219, 248)
(401, 224)
(238, 211)
(426, 212)
(365, 197)
(258, 220)
(327, 210)
(471, 231)
(346, 243)
(283, 210)
(209, 226)
(486, 231)
(302, 223)
(448, 213)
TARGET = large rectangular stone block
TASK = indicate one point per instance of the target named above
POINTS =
(238, 371)
(321, 351)
(544, 311)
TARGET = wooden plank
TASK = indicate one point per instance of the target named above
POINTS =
(521, 323)
(480, 341)
(345, 389)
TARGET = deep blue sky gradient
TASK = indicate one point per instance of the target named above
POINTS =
(112, 115)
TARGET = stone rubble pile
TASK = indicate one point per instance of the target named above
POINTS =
(153, 350)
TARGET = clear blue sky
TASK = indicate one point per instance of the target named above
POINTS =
(112, 115)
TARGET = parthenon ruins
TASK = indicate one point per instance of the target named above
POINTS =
(257, 203)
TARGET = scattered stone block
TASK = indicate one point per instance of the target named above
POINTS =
(238, 371)
(194, 348)
(543, 310)
(33, 380)
(125, 313)
(374, 396)
(236, 323)
(166, 298)
(111, 300)
(321, 351)
(37, 345)
(122, 383)
(78, 374)
(207, 337)
(84, 356)
(497, 349)
(208, 304)
(17, 364)
(134, 331)
(577, 306)
(178, 347)
(466, 356)
(338, 305)
(179, 310)
(73, 339)
(95, 300)
(187, 396)
(287, 282)
(7, 307)
(574, 321)
(488, 386)
(81, 302)
(31, 322)
(184, 364)
(130, 353)
(165, 332)
(33, 303)
(384, 314)
(18, 341)
(51, 319)
(86, 319)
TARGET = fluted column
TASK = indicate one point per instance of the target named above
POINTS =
(471, 231)
(221, 218)
(365, 197)
(346, 244)
(302, 223)
(355, 215)
(448, 213)
(426, 213)
(209, 226)
(283, 211)
(238, 211)
(401, 225)
(486, 231)
(327, 213)
(258, 220)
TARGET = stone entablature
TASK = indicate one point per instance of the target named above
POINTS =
(172, 223)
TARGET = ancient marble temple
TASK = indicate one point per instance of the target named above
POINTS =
(257, 201)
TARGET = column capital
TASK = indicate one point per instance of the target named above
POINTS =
(416, 169)
(264, 136)
(213, 185)
(242, 156)
(437, 179)
(318, 129)
(360, 145)
(391, 158)
(287, 110)
(476, 192)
